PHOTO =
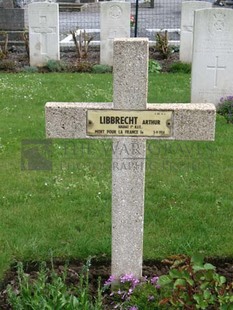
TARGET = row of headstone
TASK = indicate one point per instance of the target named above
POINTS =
(43, 19)
(207, 43)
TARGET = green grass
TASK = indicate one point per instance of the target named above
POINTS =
(67, 212)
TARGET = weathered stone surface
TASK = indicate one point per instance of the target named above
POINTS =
(212, 73)
(189, 122)
(186, 33)
(128, 167)
(43, 19)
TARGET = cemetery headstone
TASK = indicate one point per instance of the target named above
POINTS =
(186, 29)
(43, 19)
(114, 23)
(212, 73)
(129, 121)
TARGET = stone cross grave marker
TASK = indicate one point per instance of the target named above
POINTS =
(129, 121)
(43, 19)
(212, 73)
(186, 34)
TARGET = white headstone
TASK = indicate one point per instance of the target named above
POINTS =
(114, 23)
(212, 66)
(43, 19)
(120, 121)
(186, 34)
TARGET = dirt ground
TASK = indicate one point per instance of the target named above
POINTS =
(101, 267)
(17, 59)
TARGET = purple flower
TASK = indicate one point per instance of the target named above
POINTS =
(129, 278)
(130, 291)
(226, 99)
(110, 280)
(133, 308)
(154, 281)
(151, 298)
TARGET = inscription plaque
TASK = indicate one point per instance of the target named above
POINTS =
(129, 123)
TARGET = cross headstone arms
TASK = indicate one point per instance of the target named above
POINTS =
(129, 112)
(68, 120)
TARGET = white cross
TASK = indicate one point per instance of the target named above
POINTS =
(93, 120)
(216, 67)
(43, 30)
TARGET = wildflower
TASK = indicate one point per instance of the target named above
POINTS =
(129, 278)
(154, 281)
(126, 278)
(133, 308)
(151, 298)
(130, 291)
(110, 280)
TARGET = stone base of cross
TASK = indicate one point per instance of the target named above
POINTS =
(129, 121)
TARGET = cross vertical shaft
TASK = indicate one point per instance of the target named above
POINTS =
(216, 67)
(76, 120)
(128, 159)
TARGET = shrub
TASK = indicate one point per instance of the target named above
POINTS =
(162, 45)
(154, 66)
(101, 69)
(180, 67)
(4, 48)
(6, 65)
(81, 66)
(30, 69)
(193, 284)
(225, 108)
(81, 41)
(55, 65)
(26, 41)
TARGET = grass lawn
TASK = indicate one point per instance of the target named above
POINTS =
(66, 212)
